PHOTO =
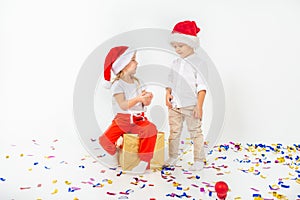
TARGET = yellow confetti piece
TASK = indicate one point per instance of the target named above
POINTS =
(275, 187)
(298, 180)
(39, 199)
(7, 156)
(258, 198)
(175, 184)
(262, 176)
(186, 189)
(30, 169)
(281, 159)
(109, 181)
(291, 174)
(67, 182)
(251, 169)
(75, 198)
(54, 181)
(21, 155)
(55, 191)
(237, 198)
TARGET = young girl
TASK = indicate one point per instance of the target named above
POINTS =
(128, 103)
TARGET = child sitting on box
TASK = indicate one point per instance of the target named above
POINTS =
(128, 105)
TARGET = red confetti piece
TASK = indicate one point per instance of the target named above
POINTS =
(24, 188)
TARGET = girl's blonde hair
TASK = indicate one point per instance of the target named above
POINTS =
(120, 74)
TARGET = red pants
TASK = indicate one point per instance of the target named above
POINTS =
(121, 124)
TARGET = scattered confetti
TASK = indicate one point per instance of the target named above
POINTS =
(257, 160)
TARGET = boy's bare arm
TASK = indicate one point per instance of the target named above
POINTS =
(198, 112)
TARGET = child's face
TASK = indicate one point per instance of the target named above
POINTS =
(183, 50)
(132, 65)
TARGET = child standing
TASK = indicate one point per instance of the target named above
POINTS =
(185, 93)
(128, 105)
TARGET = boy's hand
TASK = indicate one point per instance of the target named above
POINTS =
(197, 112)
(169, 98)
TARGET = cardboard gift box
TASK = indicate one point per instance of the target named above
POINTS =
(128, 155)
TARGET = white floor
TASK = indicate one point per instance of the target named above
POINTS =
(56, 170)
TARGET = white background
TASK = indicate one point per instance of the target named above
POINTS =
(254, 44)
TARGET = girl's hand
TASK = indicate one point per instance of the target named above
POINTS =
(198, 112)
(146, 98)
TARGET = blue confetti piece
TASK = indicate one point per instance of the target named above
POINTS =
(36, 163)
(285, 186)
(2, 179)
(179, 188)
(256, 195)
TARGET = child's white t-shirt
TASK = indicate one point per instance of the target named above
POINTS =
(130, 91)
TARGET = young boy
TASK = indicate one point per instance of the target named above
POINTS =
(185, 93)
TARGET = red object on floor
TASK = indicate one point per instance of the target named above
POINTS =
(221, 189)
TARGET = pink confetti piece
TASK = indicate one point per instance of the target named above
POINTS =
(256, 190)
(50, 157)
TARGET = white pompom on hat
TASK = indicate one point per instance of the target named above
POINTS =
(115, 61)
(186, 32)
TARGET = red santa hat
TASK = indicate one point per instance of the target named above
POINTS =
(186, 32)
(115, 61)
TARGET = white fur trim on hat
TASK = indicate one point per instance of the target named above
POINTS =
(122, 61)
(190, 40)
(106, 84)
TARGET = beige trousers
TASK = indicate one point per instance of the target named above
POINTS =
(176, 118)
